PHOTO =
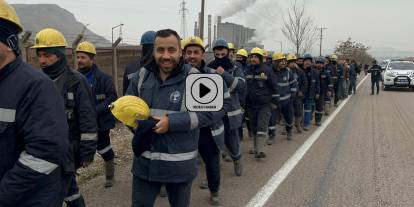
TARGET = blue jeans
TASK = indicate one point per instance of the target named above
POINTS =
(309, 108)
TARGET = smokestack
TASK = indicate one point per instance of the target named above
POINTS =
(195, 29)
(209, 30)
(215, 33)
(199, 24)
(202, 19)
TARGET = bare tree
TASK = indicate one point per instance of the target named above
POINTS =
(354, 51)
(299, 28)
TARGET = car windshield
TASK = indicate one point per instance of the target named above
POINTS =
(401, 66)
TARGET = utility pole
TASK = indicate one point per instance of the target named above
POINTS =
(321, 39)
(24, 45)
(183, 12)
(115, 56)
(75, 43)
(202, 19)
(115, 64)
(120, 34)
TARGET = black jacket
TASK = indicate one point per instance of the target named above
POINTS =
(130, 69)
(80, 114)
(262, 86)
(375, 71)
(325, 81)
(33, 136)
(314, 87)
(104, 93)
(302, 80)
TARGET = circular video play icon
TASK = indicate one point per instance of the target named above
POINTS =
(204, 92)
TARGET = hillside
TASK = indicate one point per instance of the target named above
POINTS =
(35, 17)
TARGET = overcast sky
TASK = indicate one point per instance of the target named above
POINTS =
(376, 23)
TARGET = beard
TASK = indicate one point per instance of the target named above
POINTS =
(167, 65)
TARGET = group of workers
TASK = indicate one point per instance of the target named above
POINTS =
(55, 119)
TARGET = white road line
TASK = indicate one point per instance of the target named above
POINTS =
(273, 183)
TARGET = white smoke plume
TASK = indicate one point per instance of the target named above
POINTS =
(265, 16)
(233, 7)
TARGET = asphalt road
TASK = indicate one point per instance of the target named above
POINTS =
(364, 158)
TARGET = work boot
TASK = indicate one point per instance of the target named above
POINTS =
(109, 173)
(260, 155)
(318, 121)
(306, 128)
(254, 150)
(226, 157)
(238, 168)
(326, 110)
(259, 147)
(214, 199)
(203, 185)
(298, 125)
(76, 203)
(289, 135)
(270, 141)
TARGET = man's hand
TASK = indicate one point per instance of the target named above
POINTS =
(317, 96)
(220, 70)
(273, 106)
(300, 94)
(163, 124)
(329, 94)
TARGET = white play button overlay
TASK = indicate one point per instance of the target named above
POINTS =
(204, 92)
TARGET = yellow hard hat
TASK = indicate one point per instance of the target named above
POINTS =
(194, 40)
(231, 46)
(257, 51)
(129, 109)
(183, 41)
(242, 52)
(265, 53)
(86, 47)
(291, 57)
(334, 57)
(49, 38)
(9, 14)
(278, 56)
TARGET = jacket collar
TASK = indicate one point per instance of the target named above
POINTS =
(9, 68)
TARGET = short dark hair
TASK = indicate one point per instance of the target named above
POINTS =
(168, 32)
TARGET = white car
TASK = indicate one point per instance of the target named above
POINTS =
(399, 73)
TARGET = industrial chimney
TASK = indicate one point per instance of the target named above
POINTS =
(195, 29)
(209, 31)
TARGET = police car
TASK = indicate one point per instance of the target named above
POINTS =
(399, 73)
